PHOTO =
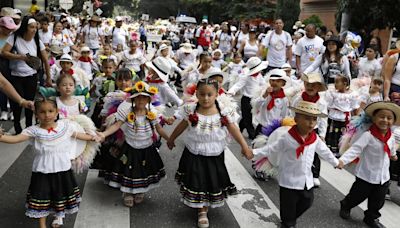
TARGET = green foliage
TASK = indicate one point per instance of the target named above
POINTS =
(288, 11)
(313, 19)
(370, 14)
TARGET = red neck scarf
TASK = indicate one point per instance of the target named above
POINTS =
(85, 59)
(221, 91)
(307, 97)
(303, 143)
(274, 95)
(255, 75)
(377, 134)
(70, 71)
(150, 80)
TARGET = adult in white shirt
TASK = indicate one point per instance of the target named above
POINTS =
(308, 48)
(61, 39)
(331, 63)
(243, 34)
(225, 39)
(23, 77)
(279, 44)
(118, 35)
(93, 35)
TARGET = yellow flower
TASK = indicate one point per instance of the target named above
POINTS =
(131, 117)
(151, 115)
(139, 86)
(153, 90)
(128, 90)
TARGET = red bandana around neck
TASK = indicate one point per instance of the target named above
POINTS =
(85, 59)
(274, 95)
(307, 97)
(255, 75)
(70, 71)
(384, 139)
(303, 143)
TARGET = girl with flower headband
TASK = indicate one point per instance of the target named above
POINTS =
(202, 175)
(139, 168)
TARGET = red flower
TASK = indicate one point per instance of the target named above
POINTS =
(224, 121)
(194, 119)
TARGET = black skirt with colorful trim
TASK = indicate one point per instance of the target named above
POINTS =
(137, 170)
(204, 180)
(52, 193)
(333, 134)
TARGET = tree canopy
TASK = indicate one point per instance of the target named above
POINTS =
(370, 14)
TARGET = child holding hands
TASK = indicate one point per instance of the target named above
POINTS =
(296, 149)
(202, 175)
(52, 141)
(375, 148)
(140, 167)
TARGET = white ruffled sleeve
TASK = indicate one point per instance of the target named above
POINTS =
(185, 110)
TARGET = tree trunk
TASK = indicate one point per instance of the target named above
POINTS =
(345, 22)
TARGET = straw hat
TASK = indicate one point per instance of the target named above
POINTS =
(308, 109)
(95, 18)
(314, 77)
(161, 66)
(255, 65)
(371, 108)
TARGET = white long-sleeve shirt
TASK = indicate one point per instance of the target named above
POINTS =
(295, 173)
(248, 85)
(166, 94)
(279, 111)
(373, 166)
(323, 66)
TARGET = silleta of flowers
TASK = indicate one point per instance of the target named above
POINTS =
(143, 89)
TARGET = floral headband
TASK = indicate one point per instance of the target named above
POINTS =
(141, 88)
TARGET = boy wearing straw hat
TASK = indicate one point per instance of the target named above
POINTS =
(375, 148)
(297, 148)
(313, 84)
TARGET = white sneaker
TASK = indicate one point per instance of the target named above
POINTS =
(3, 116)
(317, 183)
(11, 116)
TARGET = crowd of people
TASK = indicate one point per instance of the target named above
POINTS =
(334, 96)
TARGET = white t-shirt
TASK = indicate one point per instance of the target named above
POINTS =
(23, 47)
(92, 36)
(133, 61)
(45, 37)
(369, 68)
(225, 42)
(277, 45)
(240, 37)
(118, 36)
(308, 50)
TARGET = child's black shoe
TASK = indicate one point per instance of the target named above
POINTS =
(373, 223)
(344, 212)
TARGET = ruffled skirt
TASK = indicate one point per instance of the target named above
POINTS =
(137, 170)
(52, 193)
(204, 180)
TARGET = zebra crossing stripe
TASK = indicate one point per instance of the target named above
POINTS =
(101, 206)
(251, 207)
